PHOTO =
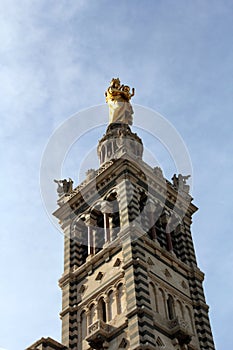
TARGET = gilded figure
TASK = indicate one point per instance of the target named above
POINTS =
(118, 97)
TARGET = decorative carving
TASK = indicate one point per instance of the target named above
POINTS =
(150, 262)
(158, 172)
(64, 186)
(82, 289)
(98, 333)
(179, 329)
(118, 97)
(167, 273)
(178, 322)
(123, 343)
(160, 343)
(179, 182)
(99, 276)
(90, 174)
(98, 325)
(117, 262)
(184, 285)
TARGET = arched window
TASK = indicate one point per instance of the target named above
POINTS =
(111, 305)
(179, 309)
(153, 297)
(83, 319)
(102, 310)
(120, 292)
(170, 308)
(91, 314)
(188, 317)
(161, 302)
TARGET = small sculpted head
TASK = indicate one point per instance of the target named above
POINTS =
(115, 83)
(126, 88)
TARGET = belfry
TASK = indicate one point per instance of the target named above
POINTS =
(130, 279)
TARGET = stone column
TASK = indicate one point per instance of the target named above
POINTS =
(118, 306)
(90, 241)
(106, 228)
(106, 300)
(91, 223)
(110, 227)
(106, 209)
(89, 321)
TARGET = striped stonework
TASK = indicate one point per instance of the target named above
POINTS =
(131, 279)
(47, 344)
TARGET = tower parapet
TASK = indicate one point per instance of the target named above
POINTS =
(119, 142)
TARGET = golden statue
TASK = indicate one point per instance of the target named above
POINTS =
(118, 97)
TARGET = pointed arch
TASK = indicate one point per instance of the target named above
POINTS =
(188, 317)
(83, 321)
(123, 344)
(153, 297)
(102, 311)
(159, 342)
(120, 295)
(170, 307)
(91, 314)
(161, 303)
(111, 313)
(179, 309)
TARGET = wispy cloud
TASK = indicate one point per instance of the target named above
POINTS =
(58, 58)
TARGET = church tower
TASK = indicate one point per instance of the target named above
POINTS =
(131, 279)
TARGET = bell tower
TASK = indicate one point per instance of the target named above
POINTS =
(131, 279)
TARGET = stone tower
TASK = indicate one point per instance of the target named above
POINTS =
(131, 279)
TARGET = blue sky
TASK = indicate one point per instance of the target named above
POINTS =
(57, 58)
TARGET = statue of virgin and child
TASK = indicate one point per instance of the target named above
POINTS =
(118, 97)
